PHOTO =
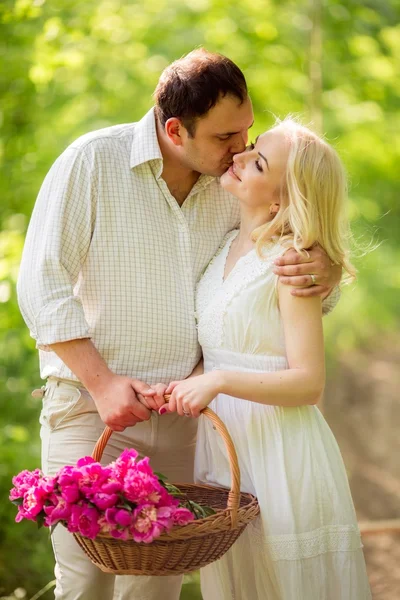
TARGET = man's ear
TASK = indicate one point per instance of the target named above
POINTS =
(173, 129)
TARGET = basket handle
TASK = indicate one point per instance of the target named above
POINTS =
(234, 493)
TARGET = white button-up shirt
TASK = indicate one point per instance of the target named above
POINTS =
(110, 255)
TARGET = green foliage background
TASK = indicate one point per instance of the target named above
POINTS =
(70, 67)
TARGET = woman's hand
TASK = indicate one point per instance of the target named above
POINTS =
(190, 396)
(157, 400)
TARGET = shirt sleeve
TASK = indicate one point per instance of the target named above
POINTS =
(331, 301)
(56, 245)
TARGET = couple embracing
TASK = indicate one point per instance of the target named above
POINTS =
(172, 256)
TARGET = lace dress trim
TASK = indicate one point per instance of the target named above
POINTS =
(214, 295)
(211, 279)
(307, 545)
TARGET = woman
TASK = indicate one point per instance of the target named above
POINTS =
(263, 375)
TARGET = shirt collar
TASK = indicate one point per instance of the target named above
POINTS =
(145, 144)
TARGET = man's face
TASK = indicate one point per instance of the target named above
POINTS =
(220, 134)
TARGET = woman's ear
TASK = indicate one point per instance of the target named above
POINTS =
(274, 208)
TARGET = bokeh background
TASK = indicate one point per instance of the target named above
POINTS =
(68, 67)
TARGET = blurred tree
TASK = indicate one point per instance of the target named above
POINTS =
(71, 67)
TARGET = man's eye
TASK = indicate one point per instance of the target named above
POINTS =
(251, 146)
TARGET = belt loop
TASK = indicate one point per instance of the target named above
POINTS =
(39, 393)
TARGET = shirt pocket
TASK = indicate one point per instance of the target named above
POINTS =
(59, 403)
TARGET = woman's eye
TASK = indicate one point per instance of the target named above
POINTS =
(258, 166)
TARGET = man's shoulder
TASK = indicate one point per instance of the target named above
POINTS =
(107, 137)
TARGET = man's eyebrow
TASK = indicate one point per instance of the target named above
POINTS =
(262, 156)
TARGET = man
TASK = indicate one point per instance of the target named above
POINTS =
(126, 221)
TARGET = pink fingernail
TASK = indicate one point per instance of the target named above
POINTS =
(162, 410)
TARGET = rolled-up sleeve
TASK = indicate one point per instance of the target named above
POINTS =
(330, 302)
(57, 242)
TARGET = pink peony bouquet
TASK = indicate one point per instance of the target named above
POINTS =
(125, 499)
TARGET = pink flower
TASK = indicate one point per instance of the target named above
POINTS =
(60, 511)
(23, 482)
(126, 460)
(164, 517)
(84, 520)
(103, 501)
(167, 499)
(141, 485)
(118, 516)
(182, 516)
(86, 460)
(68, 481)
(35, 498)
(116, 522)
(92, 478)
(145, 526)
(120, 534)
(123, 517)
(124, 499)
(32, 504)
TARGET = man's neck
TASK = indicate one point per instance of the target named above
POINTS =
(179, 179)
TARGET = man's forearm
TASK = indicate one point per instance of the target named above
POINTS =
(114, 395)
(85, 362)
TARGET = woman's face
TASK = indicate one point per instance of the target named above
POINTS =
(257, 173)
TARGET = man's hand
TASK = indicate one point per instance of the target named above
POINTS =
(313, 276)
(116, 398)
(154, 402)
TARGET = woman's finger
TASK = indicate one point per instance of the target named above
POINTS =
(171, 387)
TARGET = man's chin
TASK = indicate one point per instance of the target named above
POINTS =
(217, 172)
(224, 169)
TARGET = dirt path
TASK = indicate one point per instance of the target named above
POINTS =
(362, 407)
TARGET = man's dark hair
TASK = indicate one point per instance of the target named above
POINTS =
(192, 85)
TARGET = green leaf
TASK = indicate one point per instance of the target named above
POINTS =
(40, 519)
(17, 501)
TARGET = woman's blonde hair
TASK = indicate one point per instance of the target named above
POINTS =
(313, 199)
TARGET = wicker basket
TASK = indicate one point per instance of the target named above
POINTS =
(187, 548)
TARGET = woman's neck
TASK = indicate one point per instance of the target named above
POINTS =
(249, 221)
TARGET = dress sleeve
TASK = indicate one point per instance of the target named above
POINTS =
(56, 245)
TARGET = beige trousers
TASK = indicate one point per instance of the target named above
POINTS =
(70, 428)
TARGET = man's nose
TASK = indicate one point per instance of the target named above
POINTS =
(238, 143)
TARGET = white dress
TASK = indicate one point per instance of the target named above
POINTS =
(306, 544)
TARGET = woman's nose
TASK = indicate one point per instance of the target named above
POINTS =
(239, 158)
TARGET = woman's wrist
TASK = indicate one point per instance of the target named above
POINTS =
(218, 381)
